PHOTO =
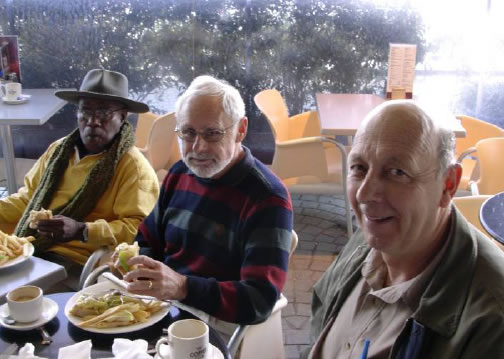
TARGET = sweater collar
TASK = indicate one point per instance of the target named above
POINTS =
(235, 174)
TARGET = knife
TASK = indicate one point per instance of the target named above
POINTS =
(121, 283)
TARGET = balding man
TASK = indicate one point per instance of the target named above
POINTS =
(417, 279)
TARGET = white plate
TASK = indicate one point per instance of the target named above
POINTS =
(100, 288)
(20, 100)
(215, 353)
(49, 311)
(19, 259)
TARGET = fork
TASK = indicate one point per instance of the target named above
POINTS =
(136, 296)
(46, 338)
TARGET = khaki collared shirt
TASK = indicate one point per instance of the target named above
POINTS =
(373, 311)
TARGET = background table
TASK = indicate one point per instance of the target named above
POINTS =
(39, 108)
(342, 114)
(65, 333)
(34, 271)
(492, 216)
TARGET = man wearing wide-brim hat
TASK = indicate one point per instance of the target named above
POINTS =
(96, 182)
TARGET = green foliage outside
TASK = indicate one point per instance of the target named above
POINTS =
(299, 47)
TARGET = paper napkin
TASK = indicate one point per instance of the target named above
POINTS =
(81, 350)
(127, 349)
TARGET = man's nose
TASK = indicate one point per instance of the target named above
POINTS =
(93, 121)
(370, 189)
(199, 144)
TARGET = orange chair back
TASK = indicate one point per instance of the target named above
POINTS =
(490, 155)
(272, 105)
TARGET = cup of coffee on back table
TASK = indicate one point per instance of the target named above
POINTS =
(187, 339)
(25, 303)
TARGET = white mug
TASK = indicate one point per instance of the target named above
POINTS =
(25, 303)
(11, 90)
(187, 339)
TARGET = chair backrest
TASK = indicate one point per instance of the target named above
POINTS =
(470, 209)
(143, 128)
(476, 130)
(490, 155)
(162, 145)
(272, 105)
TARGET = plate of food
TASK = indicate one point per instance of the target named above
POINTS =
(101, 308)
(14, 250)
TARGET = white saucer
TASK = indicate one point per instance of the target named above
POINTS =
(49, 311)
(20, 100)
(215, 353)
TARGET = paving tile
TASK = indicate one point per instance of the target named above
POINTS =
(320, 266)
(310, 197)
(313, 229)
(292, 336)
(297, 322)
(300, 263)
(304, 297)
(327, 247)
(312, 220)
(302, 274)
(303, 309)
(292, 352)
(303, 285)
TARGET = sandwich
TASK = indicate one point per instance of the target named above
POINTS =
(36, 216)
(123, 253)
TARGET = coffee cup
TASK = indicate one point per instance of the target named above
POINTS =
(12, 90)
(187, 339)
(25, 303)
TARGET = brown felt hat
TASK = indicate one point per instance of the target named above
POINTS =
(105, 85)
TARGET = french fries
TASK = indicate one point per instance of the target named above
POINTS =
(113, 310)
(12, 247)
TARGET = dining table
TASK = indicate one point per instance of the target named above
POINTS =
(342, 114)
(32, 271)
(37, 110)
(492, 216)
(64, 333)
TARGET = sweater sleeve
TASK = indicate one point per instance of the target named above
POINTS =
(266, 238)
(136, 191)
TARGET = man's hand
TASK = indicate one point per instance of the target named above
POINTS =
(61, 229)
(155, 279)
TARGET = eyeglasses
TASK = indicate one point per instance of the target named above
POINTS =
(101, 113)
(209, 134)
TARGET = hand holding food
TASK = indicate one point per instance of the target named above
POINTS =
(36, 216)
(122, 254)
(113, 310)
(12, 247)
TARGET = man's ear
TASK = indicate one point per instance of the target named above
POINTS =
(451, 183)
(242, 129)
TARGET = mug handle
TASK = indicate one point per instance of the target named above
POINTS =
(158, 346)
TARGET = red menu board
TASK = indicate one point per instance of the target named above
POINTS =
(9, 58)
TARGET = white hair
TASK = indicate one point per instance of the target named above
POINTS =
(232, 103)
(434, 125)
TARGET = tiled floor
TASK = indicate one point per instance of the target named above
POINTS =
(319, 223)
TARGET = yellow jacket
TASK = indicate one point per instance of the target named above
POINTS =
(131, 196)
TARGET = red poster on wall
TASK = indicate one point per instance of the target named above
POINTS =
(9, 58)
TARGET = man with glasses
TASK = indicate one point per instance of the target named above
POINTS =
(218, 239)
(96, 182)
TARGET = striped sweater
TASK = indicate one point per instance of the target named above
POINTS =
(230, 237)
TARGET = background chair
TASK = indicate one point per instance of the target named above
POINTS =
(491, 166)
(476, 130)
(470, 208)
(305, 161)
(22, 166)
(162, 149)
(143, 128)
(264, 340)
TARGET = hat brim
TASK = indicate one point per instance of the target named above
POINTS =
(75, 96)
